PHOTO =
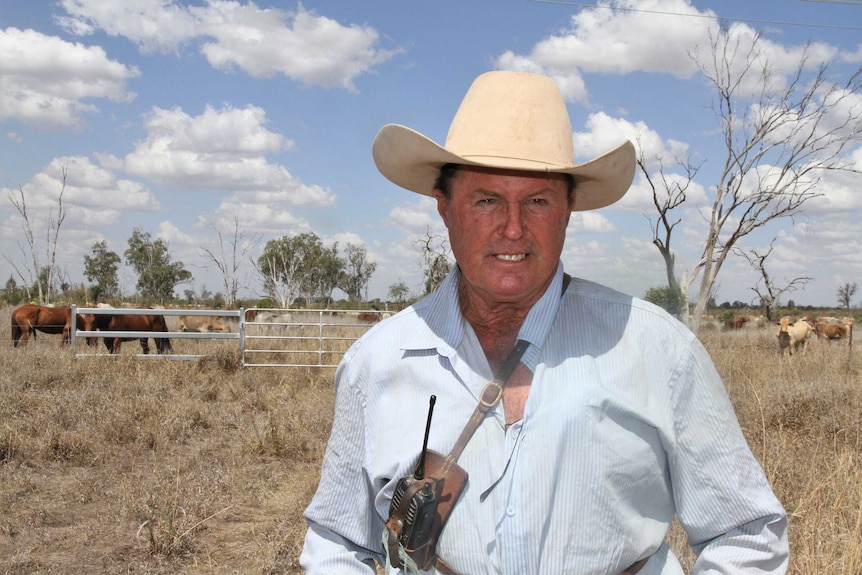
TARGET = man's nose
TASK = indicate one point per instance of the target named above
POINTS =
(514, 225)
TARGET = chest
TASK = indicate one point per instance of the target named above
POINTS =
(515, 393)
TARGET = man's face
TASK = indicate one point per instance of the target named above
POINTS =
(507, 230)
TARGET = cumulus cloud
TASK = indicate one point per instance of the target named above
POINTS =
(220, 150)
(263, 42)
(611, 41)
(261, 219)
(592, 222)
(92, 195)
(638, 36)
(151, 25)
(48, 82)
(604, 132)
(414, 218)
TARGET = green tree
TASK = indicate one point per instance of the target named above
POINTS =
(12, 293)
(288, 267)
(157, 274)
(325, 273)
(357, 273)
(101, 267)
(398, 292)
(666, 297)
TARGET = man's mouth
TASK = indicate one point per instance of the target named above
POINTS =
(511, 257)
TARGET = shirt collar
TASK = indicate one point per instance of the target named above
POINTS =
(443, 324)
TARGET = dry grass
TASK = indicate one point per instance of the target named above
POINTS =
(112, 465)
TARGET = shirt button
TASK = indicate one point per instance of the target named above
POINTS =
(510, 510)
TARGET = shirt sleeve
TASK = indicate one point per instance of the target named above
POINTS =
(326, 552)
(344, 529)
(734, 522)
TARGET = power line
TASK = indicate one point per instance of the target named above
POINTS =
(754, 20)
(845, 2)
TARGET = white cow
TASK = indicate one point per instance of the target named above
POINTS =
(793, 336)
(201, 323)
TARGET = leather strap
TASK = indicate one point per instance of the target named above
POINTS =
(636, 566)
(491, 395)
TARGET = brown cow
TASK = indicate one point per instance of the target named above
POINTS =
(735, 323)
(830, 331)
(128, 322)
(29, 317)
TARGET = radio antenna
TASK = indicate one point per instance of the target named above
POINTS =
(420, 467)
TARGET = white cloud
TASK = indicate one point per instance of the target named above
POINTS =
(153, 25)
(266, 220)
(92, 196)
(591, 221)
(415, 218)
(617, 42)
(47, 81)
(220, 150)
(302, 45)
(263, 42)
(640, 37)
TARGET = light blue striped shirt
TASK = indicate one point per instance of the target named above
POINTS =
(627, 422)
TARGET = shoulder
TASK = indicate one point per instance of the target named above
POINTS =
(606, 318)
(587, 295)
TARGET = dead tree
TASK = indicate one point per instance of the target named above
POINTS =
(43, 275)
(767, 291)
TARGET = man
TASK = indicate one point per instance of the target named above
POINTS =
(612, 421)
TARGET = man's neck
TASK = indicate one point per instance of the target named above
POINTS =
(495, 326)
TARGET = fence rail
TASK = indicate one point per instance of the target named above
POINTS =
(266, 337)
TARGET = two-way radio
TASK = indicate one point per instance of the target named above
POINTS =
(421, 505)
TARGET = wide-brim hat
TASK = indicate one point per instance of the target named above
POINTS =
(509, 120)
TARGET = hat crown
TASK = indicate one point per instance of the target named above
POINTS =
(513, 116)
(510, 121)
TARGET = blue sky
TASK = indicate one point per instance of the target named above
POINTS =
(177, 117)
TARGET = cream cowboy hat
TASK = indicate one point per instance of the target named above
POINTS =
(510, 120)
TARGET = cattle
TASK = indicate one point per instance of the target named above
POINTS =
(793, 336)
(833, 331)
(29, 318)
(365, 317)
(735, 323)
(201, 323)
(373, 316)
(128, 322)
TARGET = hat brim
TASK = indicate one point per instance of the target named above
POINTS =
(410, 160)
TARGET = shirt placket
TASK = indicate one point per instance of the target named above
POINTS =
(511, 533)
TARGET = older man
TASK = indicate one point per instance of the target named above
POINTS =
(612, 417)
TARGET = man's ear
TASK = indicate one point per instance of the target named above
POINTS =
(442, 205)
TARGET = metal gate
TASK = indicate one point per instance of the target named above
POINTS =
(266, 337)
